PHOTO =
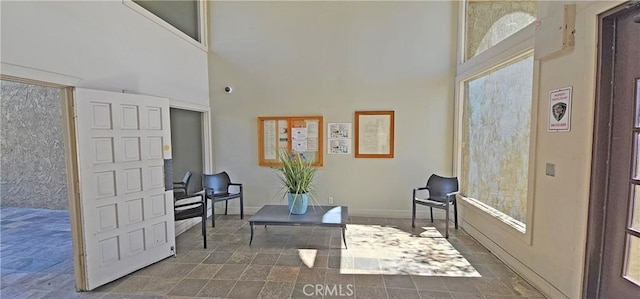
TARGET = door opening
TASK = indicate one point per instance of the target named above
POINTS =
(186, 136)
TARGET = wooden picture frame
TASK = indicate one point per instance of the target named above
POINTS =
(374, 134)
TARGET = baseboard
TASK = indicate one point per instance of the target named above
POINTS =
(521, 269)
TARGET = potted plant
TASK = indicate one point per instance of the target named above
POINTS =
(296, 175)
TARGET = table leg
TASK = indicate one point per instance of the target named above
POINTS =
(344, 238)
(251, 240)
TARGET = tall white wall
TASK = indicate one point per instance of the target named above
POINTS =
(554, 259)
(105, 44)
(331, 59)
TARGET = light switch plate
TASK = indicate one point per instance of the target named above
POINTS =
(550, 170)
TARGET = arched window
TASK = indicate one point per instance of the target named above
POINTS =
(490, 22)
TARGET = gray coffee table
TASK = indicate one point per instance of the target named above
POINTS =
(328, 216)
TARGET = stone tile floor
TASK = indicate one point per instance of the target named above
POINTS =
(283, 262)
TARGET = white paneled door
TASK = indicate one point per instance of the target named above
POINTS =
(127, 215)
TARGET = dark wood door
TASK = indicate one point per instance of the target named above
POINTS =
(620, 277)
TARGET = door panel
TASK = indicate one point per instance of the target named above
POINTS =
(123, 140)
(620, 239)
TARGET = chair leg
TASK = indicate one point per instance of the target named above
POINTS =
(204, 228)
(413, 214)
(431, 210)
(455, 212)
(241, 208)
(226, 204)
(213, 213)
(446, 225)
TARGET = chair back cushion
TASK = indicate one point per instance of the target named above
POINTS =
(440, 186)
(218, 182)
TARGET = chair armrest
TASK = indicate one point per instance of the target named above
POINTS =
(453, 193)
(192, 196)
(415, 191)
(190, 203)
(237, 185)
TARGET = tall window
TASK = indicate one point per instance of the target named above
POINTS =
(496, 123)
(496, 101)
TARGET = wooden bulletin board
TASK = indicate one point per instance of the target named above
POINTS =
(300, 134)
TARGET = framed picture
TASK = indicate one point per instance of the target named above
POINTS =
(374, 134)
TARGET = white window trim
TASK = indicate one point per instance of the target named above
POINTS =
(512, 48)
(20, 73)
(202, 23)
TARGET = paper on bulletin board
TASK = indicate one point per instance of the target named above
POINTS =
(299, 133)
(283, 134)
(269, 128)
(312, 128)
(299, 145)
(560, 109)
(312, 144)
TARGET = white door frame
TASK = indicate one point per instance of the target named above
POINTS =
(207, 154)
(71, 164)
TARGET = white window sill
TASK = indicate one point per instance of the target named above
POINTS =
(502, 217)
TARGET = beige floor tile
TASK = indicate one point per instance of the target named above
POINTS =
(256, 272)
(265, 259)
(374, 280)
(230, 272)
(402, 293)
(434, 295)
(160, 285)
(246, 289)
(370, 292)
(178, 270)
(311, 275)
(204, 271)
(276, 290)
(188, 287)
(283, 274)
(217, 288)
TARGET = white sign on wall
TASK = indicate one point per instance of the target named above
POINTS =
(339, 138)
(560, 109)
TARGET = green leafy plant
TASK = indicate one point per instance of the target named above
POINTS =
(296, 174)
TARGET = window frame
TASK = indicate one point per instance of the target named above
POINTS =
(202, 23)
(512, 48)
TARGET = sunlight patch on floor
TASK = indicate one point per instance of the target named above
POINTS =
(308, 256)
(375, 249)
